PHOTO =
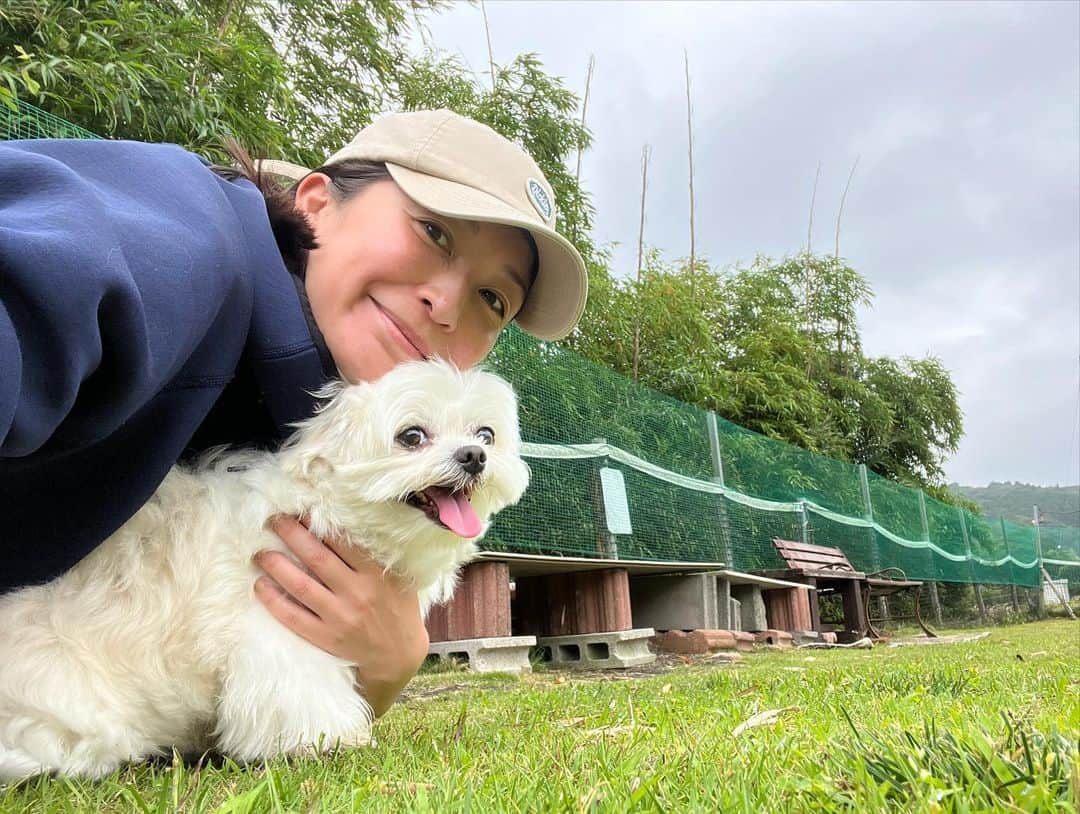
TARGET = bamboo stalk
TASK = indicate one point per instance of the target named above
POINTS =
(584, 107)
(690, 149)
(640, 256)
(491, 57)
(843, 198)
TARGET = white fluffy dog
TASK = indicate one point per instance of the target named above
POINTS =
(156, 641)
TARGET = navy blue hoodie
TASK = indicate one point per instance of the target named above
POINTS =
(136, 287)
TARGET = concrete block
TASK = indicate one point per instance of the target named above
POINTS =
(696, 642)
(829, 637)
(775, 638)
(499, 654)
(724, 619)
(744, 641)
(800, 637)
(751, 608)
(573, 603)
(591, 651)
(675, 602)
(480, 607)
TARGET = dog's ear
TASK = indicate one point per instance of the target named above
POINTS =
(337, 426)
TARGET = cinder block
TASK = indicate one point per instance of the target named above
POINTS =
(574, 603)
(479, 609)
(696, 642)
(775, 638)
(787, 609)
(591, 651)
(734, 615)
(751, 608)
(501, 654)
(675, 602)
(744, 642)
(800, 637)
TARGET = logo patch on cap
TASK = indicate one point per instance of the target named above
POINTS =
(541, 201)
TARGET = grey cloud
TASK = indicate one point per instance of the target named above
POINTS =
(965, 208)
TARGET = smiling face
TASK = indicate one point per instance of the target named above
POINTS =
(393, 282)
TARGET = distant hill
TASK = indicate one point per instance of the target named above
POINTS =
(1058, 505)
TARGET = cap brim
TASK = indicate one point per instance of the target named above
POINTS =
(556, 299)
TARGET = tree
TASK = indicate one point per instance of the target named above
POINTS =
(293, 80)
(775, 348)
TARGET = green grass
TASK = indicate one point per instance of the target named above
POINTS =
(992, 725)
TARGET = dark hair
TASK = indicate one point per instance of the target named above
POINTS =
(294, 235)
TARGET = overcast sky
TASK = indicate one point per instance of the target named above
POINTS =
(964, 213)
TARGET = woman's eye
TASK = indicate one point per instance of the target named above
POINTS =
(412, 437)
(494, 301)
(437, 235)
(486, 435)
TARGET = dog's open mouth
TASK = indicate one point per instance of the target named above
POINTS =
(447, 508)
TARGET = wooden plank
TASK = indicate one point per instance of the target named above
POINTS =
(816, 559)
(793, 544)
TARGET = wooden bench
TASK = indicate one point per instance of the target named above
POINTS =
(828, 571)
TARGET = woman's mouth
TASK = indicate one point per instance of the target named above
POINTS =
(409, 341)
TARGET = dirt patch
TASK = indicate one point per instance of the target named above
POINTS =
(429, 686)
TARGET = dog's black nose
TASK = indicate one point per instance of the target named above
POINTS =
(472, 459)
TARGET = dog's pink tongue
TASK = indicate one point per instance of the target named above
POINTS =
(455, 511)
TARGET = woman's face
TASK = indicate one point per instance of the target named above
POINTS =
(392, 282)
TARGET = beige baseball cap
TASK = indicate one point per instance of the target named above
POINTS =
(461, 168)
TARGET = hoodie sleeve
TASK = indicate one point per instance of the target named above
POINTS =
(115, 261)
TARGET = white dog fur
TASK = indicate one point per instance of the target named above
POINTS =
(155, 640)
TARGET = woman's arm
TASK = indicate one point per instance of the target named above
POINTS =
(347, 606)
(118, 260)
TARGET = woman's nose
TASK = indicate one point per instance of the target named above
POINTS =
(444, 294)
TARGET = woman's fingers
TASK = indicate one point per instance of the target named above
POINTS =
(311, 551)
(296, 618)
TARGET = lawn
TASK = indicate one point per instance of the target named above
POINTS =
(988, 725)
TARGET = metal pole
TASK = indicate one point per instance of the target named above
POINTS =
(721, 501)
(868, 513)
(935, 602)
(804, 522)
(971, 568)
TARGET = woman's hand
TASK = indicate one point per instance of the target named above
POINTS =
(346, 606)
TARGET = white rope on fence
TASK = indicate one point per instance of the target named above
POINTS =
(605, 450)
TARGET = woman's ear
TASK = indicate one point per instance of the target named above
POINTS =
(313, 195)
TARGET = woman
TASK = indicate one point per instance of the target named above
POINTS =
(150, 307)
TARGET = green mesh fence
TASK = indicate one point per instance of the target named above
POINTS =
(701, 489)
(694, 500)
(27, 121)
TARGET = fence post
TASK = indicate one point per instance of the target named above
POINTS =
(1040, 598)
(971, 565)
(718, 478)
(868, 513)
(804, 522)
(935, 602)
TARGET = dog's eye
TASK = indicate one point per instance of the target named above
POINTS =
(486, 435)
(412, 437)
